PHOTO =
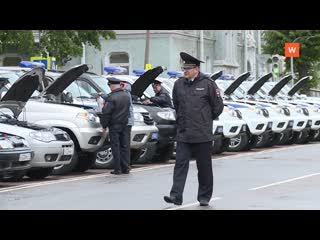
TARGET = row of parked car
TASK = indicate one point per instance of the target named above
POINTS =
(49, 120)
(273, 112)
(58, 119)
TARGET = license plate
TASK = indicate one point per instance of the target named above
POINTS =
(25, 157)
(67, 150)
(290, 124)
(154, 135)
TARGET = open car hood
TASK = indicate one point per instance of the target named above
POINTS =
(236, 83)
(63, 81)
(143, 82)
(298, 85)
(216, 75)
(24, 87)
(283, 81)
(258, 84)
(15, 106)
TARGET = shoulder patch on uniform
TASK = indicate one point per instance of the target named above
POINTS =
(218, 92)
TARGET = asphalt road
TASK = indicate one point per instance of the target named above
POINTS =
(274, 178)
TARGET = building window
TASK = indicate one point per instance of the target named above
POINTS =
(119, 59)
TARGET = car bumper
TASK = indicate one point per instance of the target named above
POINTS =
(10, 160)
(52, 154)
(167, 134)
(90, 139)
(140, 135)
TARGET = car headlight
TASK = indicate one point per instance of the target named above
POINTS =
(43, 136)
(167, 115)
(5, 144)
(91, 117)
(137, 117)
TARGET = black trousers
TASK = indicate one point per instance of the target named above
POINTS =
(120, 146)
(202, 153)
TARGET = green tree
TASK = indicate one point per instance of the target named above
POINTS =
(62, 44)
(20, 41)
(308, 62)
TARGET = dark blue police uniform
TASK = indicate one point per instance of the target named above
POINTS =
(115, 115)
(197, 104)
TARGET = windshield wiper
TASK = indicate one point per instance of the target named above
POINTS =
(85, 97)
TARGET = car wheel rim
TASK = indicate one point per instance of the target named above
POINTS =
(105, 156)
(235, 142)
(143, 152)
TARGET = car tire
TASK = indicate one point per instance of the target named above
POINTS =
(104, 158)
(164, 153)
(40, 173)
(14, 176)
(144, 155)
(301, 137)
(238, 143)
(86, 161)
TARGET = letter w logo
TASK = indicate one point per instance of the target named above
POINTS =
(292, 49)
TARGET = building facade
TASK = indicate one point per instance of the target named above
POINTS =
(219, 49)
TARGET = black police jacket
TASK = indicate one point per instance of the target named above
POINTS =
(197, 104)
(162, 100)
(115, 111)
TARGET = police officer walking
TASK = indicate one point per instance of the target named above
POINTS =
(197, 101)
(161, 98)
(115, 115)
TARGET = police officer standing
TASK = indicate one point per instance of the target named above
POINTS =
(126, 154)
(197, 101)
(161, 98)
(115, 115)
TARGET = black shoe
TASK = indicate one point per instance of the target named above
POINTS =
(127, 171)
(204, 203)
(115, 172)
(172, 200)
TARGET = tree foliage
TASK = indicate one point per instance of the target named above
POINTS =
(17, 40)
(308, 62)
(62, 44)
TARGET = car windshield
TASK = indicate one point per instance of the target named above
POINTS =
(169, 82)
(77, 91)
(102, 82)
(12, 78)
(223, 85)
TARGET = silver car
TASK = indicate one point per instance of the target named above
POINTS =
(51, 146)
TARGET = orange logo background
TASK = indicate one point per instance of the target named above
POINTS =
(292, 49)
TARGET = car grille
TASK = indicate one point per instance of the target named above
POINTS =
(147, 119)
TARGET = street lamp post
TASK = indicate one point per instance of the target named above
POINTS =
(291, 60)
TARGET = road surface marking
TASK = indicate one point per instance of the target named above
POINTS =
(284, 181)
(142, 169)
